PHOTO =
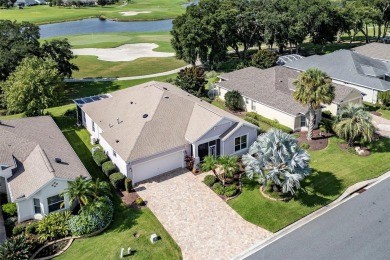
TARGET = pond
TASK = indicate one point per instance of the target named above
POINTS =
(94, 25)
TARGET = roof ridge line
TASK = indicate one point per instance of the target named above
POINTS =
(46, 160)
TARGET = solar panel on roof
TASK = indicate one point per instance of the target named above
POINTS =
(87, 100)
(79, 101)
(96, 98)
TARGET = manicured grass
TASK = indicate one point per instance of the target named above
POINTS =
(334, 171)
(85, 89)
(159, 9)
(385, 113)
(112, 40)
(90, 66)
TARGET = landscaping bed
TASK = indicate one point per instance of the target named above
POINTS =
(53, 248)
(319, 141)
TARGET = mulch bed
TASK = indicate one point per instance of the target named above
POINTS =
(52, 249)
(317, 143)
(345, 147)
(376, 113)
(128, 198)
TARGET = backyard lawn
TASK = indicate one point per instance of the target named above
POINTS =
(159, 9)
(334, 171)
(384, 113)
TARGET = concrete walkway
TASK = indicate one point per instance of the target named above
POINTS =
(382, 124)
(165, 73)
(200, 222)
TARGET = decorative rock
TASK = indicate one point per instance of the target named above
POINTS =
(122, 252)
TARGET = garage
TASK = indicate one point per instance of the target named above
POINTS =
(157, 166)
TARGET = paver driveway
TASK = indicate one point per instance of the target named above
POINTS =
(201, 223)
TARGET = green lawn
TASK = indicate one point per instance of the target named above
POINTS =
(334, 171)
(159, 9)
(384, 113)
(85, 89)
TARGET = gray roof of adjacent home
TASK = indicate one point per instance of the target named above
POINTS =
(349, 67)
(273, 87)
(174, 119)
(31, 145)
(376, 50)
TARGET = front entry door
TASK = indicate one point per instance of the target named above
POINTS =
(213, 150)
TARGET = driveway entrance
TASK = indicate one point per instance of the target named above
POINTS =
(200, 222)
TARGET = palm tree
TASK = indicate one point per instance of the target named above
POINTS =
(276, 156)
(354, 122)
(222, 167)
(81, 190)
(101, 188)
(313, 87)
(228, 166)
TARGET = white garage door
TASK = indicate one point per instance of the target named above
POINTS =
(160, 165)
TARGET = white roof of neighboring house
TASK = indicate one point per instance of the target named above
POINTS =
(31, 145)
(173, 118)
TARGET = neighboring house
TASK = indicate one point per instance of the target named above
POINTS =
(36, 163)
(375, 50)
(29, 2)
(349, 68)
(149, 129)
(269, 93)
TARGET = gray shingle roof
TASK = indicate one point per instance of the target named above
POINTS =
(175, 118)
(272, 87)
(347, 66)
(35, 142)
(375, 50)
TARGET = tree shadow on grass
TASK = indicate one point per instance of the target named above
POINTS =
(124, 218)
(86, 89)
(249, 184)
(317, 188)
(382, 145)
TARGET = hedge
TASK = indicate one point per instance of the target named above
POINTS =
(118, 180)
(209, 180)
(231, 190)
(108, 168)
(100, 157)
(218, 188)
(128, 184)
(9, 208)
(268, 121)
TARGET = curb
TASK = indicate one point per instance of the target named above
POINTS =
(348, 194)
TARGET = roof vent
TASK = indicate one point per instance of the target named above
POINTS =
(131, 102)
(166, 97)
(165, 88)
(117, 141)
(145, 115)
(57, 160)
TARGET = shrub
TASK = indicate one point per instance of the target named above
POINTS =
(100, 157)
(233, 100)
(139, 201)
(54, 226)
(108, 168)
(9, 208)
(272, 123)
(17, 230)
(9, 222)
(326, 125)
(305, 146)
(32, 228)
(209, 180)
(192, 79)
(128, 184)
(93, 218)
(218, 188)
(263, 59)
(231, 190)
(15, 248)
(384, 98)
(71, 112)
(117, 179)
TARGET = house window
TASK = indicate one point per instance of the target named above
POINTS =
(55, 202)
(93, 126)
(113, 153)
(253, 105)
(240, 143)
(303, 120)
(37, 206)
(246, 101)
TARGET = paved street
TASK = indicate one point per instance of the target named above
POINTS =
(357, 229)
(200, 222)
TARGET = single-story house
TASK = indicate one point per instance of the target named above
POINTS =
(375, 50)
(269, 93)
(150, 129)
(36, 163)
(349, 68)
(29, 2)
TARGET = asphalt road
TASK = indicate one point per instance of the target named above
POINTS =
(357, 229)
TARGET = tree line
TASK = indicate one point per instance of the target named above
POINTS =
(207, 30)
(31, 73)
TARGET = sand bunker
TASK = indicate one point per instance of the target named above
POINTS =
(127, 52)
(132, 13)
